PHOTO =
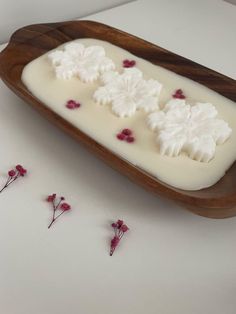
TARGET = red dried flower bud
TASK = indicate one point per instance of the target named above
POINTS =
(11, 173)
(65, 206)
(119, 223)
(119, 229)
(51, 198)
(58, 207)
(22, 172)
(124, 228)
(114, 242)
(19, 167)
(127, 132)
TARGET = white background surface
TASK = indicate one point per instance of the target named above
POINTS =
(171, 262)
(17, 13)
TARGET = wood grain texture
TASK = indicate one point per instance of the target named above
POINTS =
(28, 43)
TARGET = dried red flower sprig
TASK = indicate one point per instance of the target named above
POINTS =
(119, 229)
(13, 175)
(72, 104)
(57, 206)
(179, 94)
(126, 135)
(129, 63)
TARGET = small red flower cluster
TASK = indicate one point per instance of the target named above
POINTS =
(129, 63)
(56, 206)
(179, 94)
(126, 135)
(119, 229)
(13, 175)
(72, 104)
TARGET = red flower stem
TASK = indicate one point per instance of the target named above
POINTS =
(55, 218)
(112, 250)
(49, 226)
(10, 180)
(6, 184)
(59, 215)
(56, 207)
(121, 235)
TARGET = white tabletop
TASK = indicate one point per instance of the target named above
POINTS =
(171, 261)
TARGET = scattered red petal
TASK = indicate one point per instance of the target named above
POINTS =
(72, 104)
(179, 94)
(130, 139)
(126, 134)
(179, 91)
(120, 136)
(129, 63)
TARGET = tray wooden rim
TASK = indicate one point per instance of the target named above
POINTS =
(34, 40)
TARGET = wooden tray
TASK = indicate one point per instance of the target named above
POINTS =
(28, 43)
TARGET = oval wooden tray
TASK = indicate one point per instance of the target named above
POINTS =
(28, 43)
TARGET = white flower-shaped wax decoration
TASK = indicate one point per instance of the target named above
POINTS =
(75, 60)
(195, 129)
(128, 92)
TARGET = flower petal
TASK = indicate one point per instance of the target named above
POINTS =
(109, 77)
(88, 75)
(129, 91)
(220, 130)
(106, 64)
(102, 95)
(95, 52)
(78, 61)
(174, 104)
(202, 111)
(56, 56)
(154, 87)
(171, 143)
(123, 107)
(201, 148)
(156, 120)
(148, 103)
(132, 73)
